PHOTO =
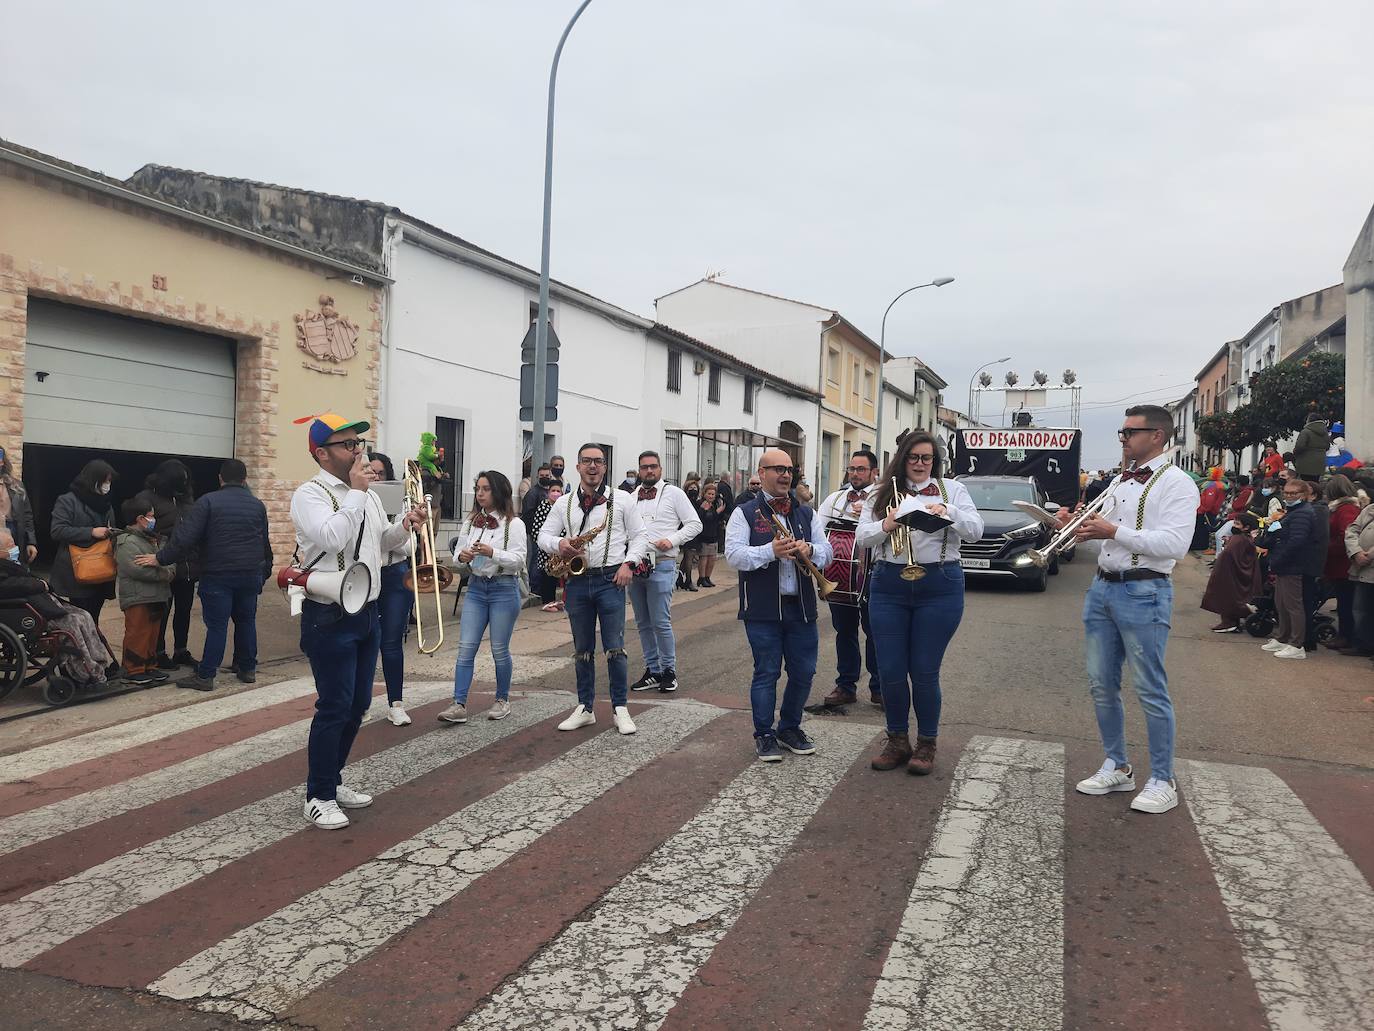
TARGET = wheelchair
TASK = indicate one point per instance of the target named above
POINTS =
(32, 651)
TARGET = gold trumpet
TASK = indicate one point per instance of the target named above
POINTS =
(427, 575)
(901, 541)
(823, 586)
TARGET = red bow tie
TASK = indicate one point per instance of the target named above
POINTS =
(589, 502)
(485, 522)
(928, 490)
(782, 506)
(855, 495)
(1140, 475)
(647, 493)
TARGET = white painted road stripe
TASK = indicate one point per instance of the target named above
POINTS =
(113, 800)
(262, 970)
(981, 944)
(1303, 914)
(46, 918)
(628, 961)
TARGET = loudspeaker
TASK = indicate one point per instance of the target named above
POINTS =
(348, 589)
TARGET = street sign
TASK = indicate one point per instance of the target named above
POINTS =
(527, 415)
(527, 393)
(527, 346)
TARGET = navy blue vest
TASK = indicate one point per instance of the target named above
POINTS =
(759, 597)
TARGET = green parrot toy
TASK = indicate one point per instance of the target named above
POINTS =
(428, 453)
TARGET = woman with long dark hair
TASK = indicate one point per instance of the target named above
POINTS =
(916, 598)
(394, 605)
(169, 489)
(81, 517)
(491, 550)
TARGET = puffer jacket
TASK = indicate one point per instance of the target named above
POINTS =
(228, 529)
(72, 522)
(1293, 542)
(140, 585)
(1309, 450)
(1359, 536)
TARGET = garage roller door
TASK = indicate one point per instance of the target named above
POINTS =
(99, 380)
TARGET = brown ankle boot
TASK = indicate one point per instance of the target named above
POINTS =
(840, 696)
(923, 757)
(896, 752)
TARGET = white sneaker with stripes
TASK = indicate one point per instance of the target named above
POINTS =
(350, 799)
(1108, 779)
(326, 815)
(1157, 796)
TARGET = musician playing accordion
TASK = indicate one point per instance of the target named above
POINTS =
(848, 603)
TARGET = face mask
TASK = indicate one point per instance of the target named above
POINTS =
(152, 525)
(544, 481)
(1267, 491)
(558, 471)
(14, 553)
(1291, 502)
(104, 488)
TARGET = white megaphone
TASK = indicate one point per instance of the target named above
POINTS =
(347, 589)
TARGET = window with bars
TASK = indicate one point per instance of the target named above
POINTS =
(713, 385)
(750, 385)
(675, 371)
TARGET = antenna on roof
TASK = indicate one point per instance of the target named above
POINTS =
(712, 276)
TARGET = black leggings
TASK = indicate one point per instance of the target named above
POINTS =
(179, 614)
(90, 605)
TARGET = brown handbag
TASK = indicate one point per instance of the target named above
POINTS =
(95, 563)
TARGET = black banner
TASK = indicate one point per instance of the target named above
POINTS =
(1051, 456)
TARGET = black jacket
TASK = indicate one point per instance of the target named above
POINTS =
(74, 515)
(1293, 544)
(1315, 562)
(21, 515)
(229, 530)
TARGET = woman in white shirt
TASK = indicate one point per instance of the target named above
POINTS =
(914, 619)
(491, 550)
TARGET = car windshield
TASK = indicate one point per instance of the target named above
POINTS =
(994, 496)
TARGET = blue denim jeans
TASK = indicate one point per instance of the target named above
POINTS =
(849, 661)
(591, 599)
(343, 657)
(792, 642)
(224, 596)
(652, 597)
(491, 602)
(1129, 623)
(393, 608)
(914, 621)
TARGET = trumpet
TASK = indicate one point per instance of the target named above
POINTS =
(427, 575)
(576, 565)
(823, 586)
(1102, 505)
(901, 540)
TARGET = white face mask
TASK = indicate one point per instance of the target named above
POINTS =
(104, 488)
(14, 553)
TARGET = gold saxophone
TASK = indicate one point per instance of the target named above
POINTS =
(574, 565)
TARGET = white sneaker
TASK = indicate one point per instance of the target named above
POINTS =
(350, 799)
(1291, 652)
(1157, 796)
(623, 723)
(581, 717)
(327, 816)
(1107, 780)
(397, 714)
(1273, 645)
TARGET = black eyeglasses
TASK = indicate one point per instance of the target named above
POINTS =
(592, 461)
(352, 444)
(923, 459)
(1125, 432)
(779, 469)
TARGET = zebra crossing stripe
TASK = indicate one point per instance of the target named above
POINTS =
(628, 961)
(981, 943)
(1303, 914)
(46, 918)
(261, 970)
(35, 825)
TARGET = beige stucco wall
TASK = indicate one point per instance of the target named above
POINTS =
(79, 246)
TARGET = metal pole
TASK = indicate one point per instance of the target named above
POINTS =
(541, 332)
(980, 368)
(882, 364)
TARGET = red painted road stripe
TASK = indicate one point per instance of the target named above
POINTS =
(1147, 939)
(810, 946)
(134, 949)
(440, 969)
(1342, 802)
(47, 862)
(154, 755)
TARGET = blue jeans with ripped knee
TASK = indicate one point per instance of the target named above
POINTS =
(591, 599)
(488, 602)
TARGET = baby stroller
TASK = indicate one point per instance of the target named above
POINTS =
(1265, 616)
(31, 651)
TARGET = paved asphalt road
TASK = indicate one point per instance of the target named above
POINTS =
(155, 870)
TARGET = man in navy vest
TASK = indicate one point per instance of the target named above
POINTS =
(777, 602)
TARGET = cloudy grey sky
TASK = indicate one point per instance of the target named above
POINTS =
(1117, 188)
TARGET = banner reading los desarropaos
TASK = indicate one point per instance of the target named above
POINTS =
(1025, 439)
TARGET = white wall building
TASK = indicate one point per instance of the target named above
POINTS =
(1183, 447)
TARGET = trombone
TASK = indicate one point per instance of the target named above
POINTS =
(1102, 505)
(427, 575)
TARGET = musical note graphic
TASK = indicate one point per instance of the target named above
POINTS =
(972, 463)
(1053, 465)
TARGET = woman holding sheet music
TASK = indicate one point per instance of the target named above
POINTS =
(915, 521)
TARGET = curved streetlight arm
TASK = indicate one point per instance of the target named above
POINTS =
(985, 365)
(541, 332)
(882, 356)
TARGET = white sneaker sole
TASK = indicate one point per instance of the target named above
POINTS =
(498, 715)
(1154, 810)
(1084, 788)
(1290, 655)
(403, 721)
(354, 805)
(453, 719)
(578, 725)
(329, 826)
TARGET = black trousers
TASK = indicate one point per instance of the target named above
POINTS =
(178, 613)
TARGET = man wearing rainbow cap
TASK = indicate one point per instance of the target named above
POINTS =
(339, 521)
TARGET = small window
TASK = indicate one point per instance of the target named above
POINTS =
(713, 385)
(868, 385)
(832, 368)
(675, 371)
(749, 387)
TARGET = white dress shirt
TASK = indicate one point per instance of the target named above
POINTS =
(742, 556)
(668, 514)
(1166, 530)
(324, 533)
(926, 548)
(508, 550)
(625, 540)
(838, 506)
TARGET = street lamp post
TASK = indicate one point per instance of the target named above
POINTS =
(882, 354)
(541, 332)
(985, 365)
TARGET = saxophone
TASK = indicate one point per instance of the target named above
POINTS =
(574, 565)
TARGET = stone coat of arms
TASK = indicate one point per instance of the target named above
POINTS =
(326, 335)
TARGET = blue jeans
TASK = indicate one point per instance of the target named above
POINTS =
(652, 597)
(224, 596)
(1129, 623)
(849, 663)
(594, 598)
(914, 621)
(792, 641)
(343, 657)
(393, 608)
(494, 602)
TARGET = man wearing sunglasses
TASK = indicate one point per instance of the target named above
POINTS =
(777, 602)
(338, 521)
(1145, 529)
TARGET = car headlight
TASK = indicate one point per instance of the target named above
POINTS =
(1024, 533)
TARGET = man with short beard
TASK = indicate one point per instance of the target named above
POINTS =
(839, 515)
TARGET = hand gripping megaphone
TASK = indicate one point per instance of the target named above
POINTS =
(347, 589)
